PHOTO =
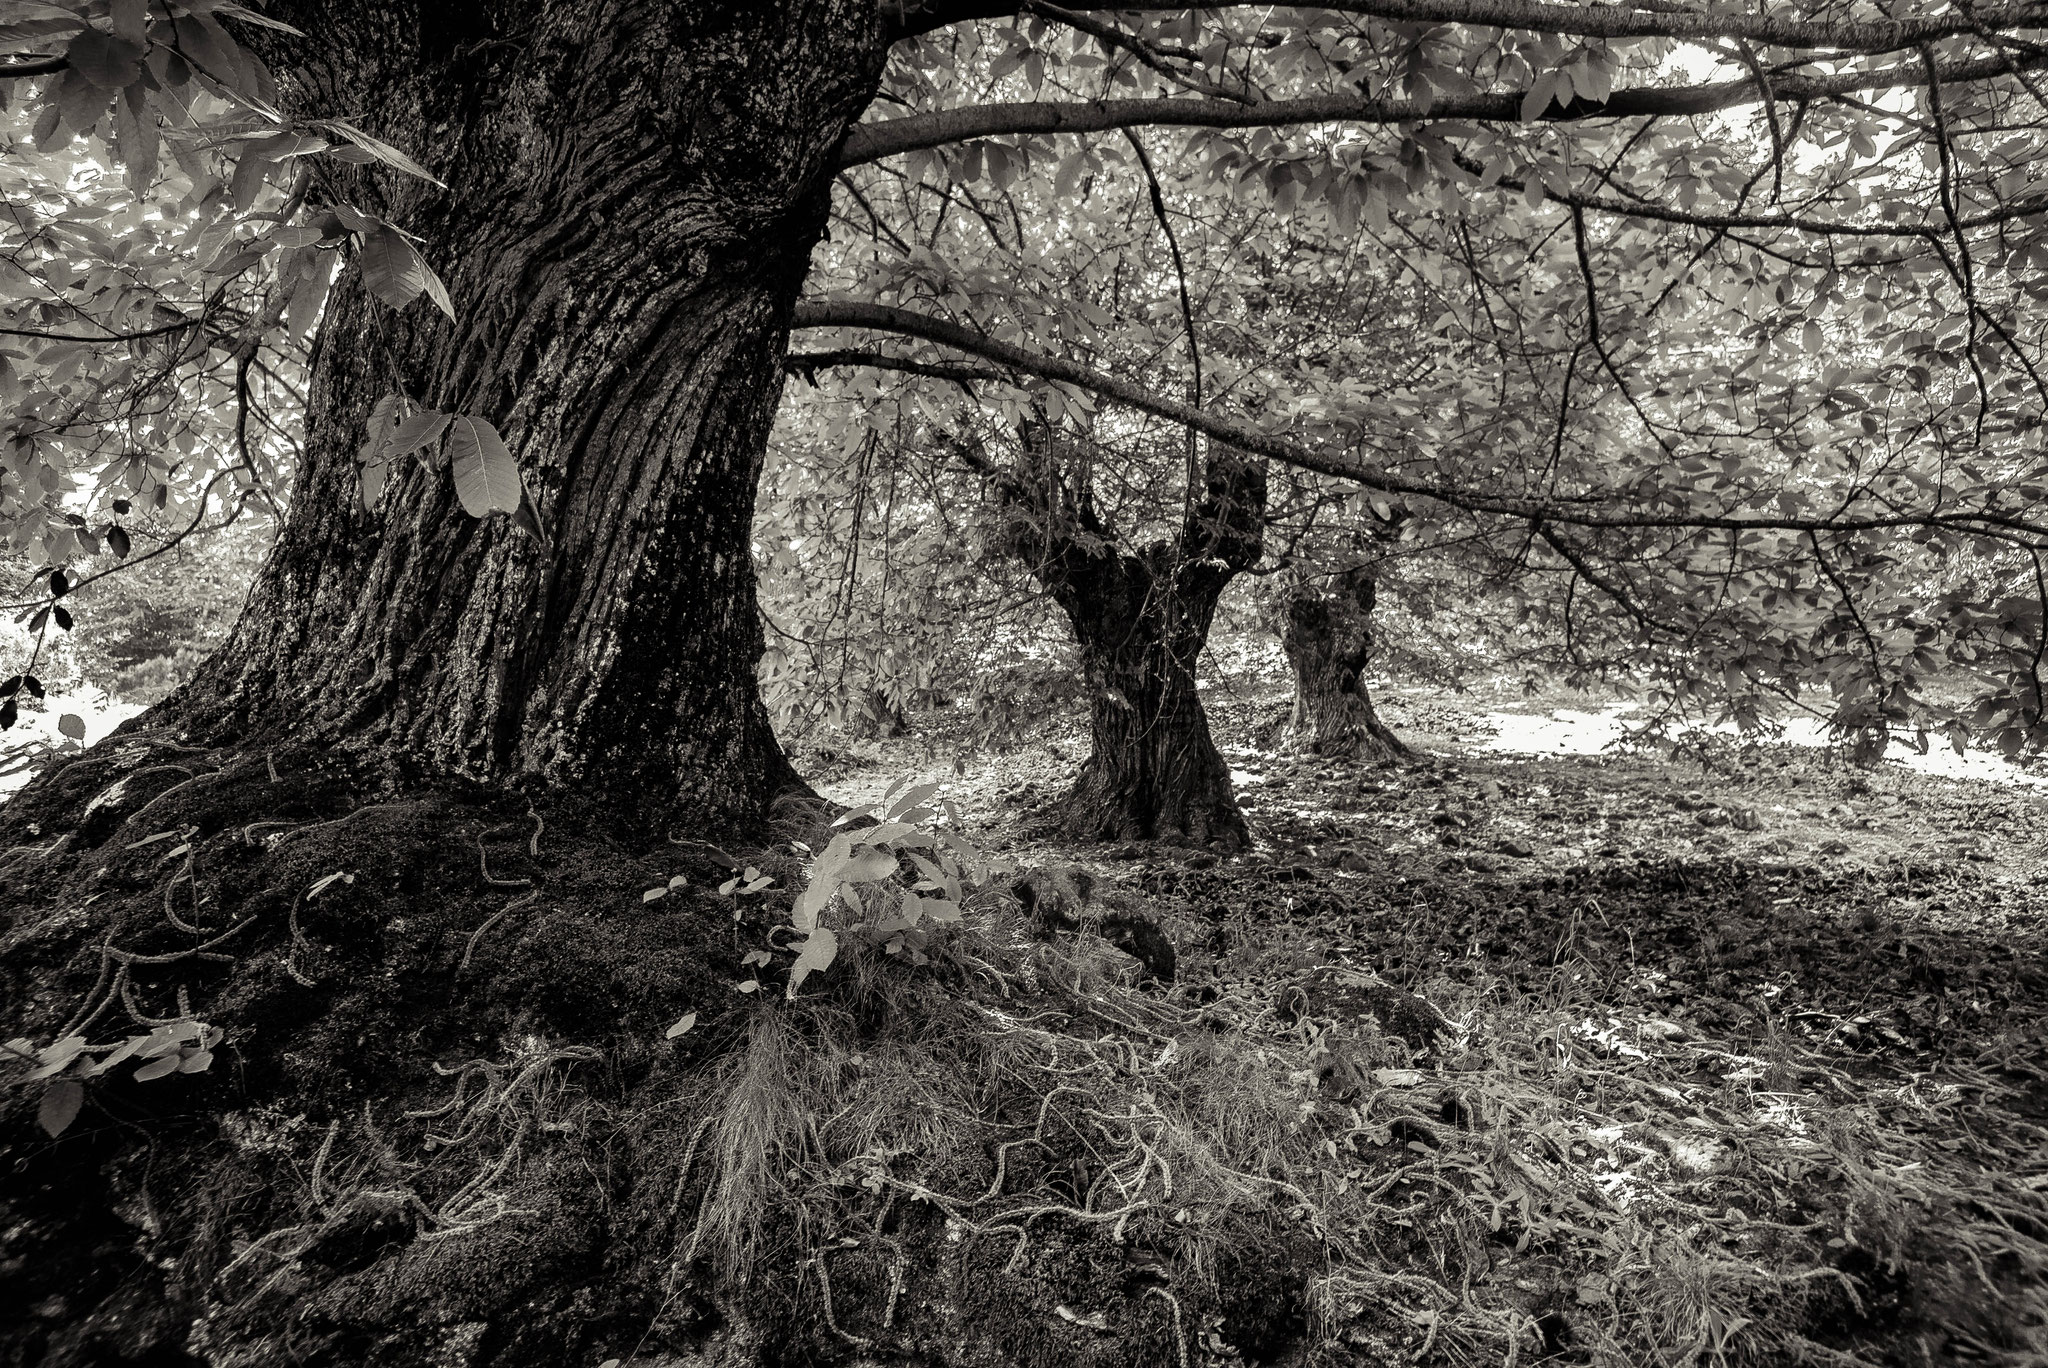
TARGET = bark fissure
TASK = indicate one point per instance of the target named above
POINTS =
(633, 196)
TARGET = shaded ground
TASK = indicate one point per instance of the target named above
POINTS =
(1751, 1056)
(1479, 1060)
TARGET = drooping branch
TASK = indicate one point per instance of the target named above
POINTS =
(914, 132)
(913, 17)
(808, 364)
(1579, 512)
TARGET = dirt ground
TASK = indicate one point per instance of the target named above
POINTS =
(1476, 1059)
(1748, 1058)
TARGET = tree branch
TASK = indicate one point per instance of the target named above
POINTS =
(914, 132)
(1647, 209)
(806, 364)
(834, 313)
(1145, 52)
(13, 66)
(108, 337)
(913, 17)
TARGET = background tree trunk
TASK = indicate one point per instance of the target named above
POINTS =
(1141, 620)
(1326, 630)
(633, 195)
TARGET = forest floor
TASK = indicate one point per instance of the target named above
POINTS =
(1745, 1059)
(1482, 1058)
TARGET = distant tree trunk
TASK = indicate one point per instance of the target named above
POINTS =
(634, 193)
(1141, 620)
(1326, 630)
(879, 717)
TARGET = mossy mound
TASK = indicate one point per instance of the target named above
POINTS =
(444, 1124)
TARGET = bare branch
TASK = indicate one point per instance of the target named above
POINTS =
(107, 337)
(913, 17)
(13, 66)
(806, 364)
(890, 137)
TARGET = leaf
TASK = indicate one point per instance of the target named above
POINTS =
(62, 616)
(938, 878)
(249, 16)
(436, 291)
(682, 1026)
(821, 947)
(130, 19)
(392, 267)
(107, 61)
(527, 519)
(129, 1047)
(355, 220)
(117, 542)
(61, 1101)
(378, 428)
(308, 295)
(250, 173)
(54, 1059)
(654, 895)
(136, 138)
(207, 46)
(49, 133)
(72, 725)
(422, 429)
(870, 865)
(814, 900)
(169, 1040)
(195, 1061)
(373, 484)
(486, 476)
(376, 147)
(1397, 1078)
(162, 1067)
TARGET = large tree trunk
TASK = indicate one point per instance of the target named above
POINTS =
(1141, 620)
(633, 195)
(1152, 771)
(1326, 630)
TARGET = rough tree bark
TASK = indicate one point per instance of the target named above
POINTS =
(1141, 619)
(633, 195)
(1326, 630)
